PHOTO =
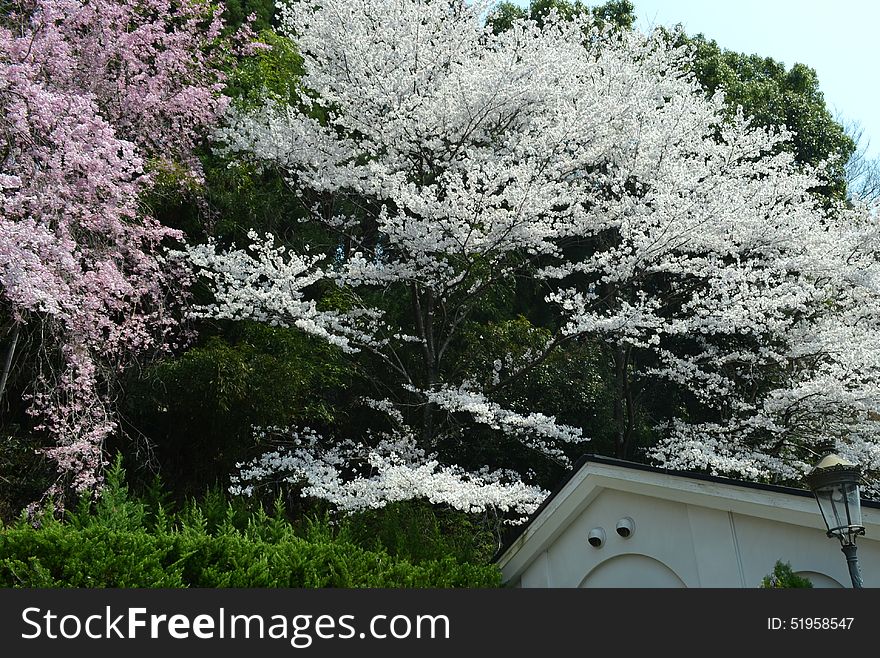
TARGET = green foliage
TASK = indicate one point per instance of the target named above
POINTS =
(272, 73)
(236, 197)
(236, 12)
(774, 96)
(122, 542)
(418, 532)
(196, 409)
(617, 13)
(569, 380)
(503, 16)
(24, 474)
(784, 577)
(115, 509)
(199, 408)
(271, 374)
(573, 384)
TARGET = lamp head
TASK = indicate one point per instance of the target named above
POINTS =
(835, 483)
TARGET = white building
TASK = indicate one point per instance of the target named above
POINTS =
(619, 524)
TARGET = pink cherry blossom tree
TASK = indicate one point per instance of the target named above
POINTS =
(95, 96)
(450, 160)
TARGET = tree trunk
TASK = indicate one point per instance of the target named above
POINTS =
(624, 404)
(10, 354)
(423, 310)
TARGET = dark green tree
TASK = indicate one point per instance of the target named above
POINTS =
(774, 95)
(260, 13)
(197, 409)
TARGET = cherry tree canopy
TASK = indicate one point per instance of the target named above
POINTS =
(449, 159)
(88, 92)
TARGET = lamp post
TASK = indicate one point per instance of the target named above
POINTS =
(835, 483)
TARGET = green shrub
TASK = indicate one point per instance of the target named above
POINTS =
(783, 577)
(121, 542)
(417, 531)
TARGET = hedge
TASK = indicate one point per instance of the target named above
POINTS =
(125, 543)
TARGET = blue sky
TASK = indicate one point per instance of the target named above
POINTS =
(840, 40)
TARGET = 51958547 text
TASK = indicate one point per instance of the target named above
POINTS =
(810, 623)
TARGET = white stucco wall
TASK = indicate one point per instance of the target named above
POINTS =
(680, 544)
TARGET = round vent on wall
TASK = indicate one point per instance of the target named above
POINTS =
(626, 527)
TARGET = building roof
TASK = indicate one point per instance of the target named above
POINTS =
(591, 462)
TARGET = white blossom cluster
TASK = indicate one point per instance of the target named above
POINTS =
(268, 284)
(356, 476)
(591, 162)
(535, 430)
(826, 351)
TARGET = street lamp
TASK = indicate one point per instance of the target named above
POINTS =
(835, 483)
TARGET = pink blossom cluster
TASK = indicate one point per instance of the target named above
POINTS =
(150, 65)
(90, 91)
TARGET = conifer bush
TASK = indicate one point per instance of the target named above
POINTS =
(123, 541)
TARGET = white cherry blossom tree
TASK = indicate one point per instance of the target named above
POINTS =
(450, 161)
